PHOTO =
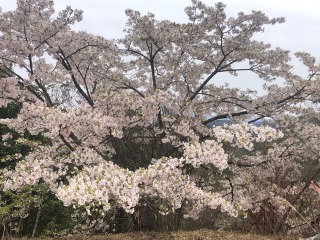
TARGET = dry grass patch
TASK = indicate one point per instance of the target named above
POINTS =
(183, 235)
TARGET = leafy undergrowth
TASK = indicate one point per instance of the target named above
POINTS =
(184, 235)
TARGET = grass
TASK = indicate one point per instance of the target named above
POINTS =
(183, 235)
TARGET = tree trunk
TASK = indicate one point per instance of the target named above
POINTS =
(36, 223)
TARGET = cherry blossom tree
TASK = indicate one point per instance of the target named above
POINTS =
(108, 107)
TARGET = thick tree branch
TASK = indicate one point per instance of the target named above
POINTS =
(65, 63)
(222, 116)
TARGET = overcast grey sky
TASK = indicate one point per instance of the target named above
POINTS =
(300, 32)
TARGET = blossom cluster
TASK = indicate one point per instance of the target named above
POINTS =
(207, 152)
(104, 185)
(244, 135)
(164, 180)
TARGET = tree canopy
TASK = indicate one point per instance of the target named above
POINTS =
(131, 122)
